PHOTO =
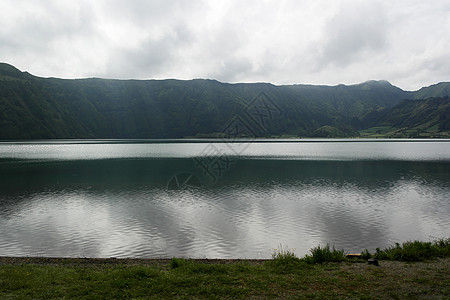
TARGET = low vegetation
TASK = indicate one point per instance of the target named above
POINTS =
(415, 251)
(324, 273)
(320, 255)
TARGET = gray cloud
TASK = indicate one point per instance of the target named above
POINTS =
(321, 42)
(152, 56)
(356, 29)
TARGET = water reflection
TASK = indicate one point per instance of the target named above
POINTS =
(121, 207)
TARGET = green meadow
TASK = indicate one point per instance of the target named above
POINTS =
(410, 270)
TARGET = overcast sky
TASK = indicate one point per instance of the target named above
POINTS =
(282, 42)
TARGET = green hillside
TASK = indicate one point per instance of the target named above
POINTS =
(441, 89)
(413, 118)
(39, 108)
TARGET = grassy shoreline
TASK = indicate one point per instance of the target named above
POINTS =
(317, 275)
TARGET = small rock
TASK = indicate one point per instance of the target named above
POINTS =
(373, 261)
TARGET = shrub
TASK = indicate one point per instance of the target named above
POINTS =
(177, 262)
(415, 251)
(321, 255)
(366, 254)
(284, 260)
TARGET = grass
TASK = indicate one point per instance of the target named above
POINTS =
(284, 260)
(320, 255)
(316, 275)
(428, 130)
(376, 132)
(415, 251)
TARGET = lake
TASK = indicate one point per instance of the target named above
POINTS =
(216, 199)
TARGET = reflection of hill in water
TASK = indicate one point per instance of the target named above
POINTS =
(122, 207)
(156, 173)
(124, 174)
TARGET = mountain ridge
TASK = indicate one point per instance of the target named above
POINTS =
(34, 107)
(4, 67)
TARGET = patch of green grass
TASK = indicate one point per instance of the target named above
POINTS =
(320, 255)
(318, 275)
(374, 132)
(365, 254)
(177, 262)
(284, 260)
(415, 251)
(195, 279)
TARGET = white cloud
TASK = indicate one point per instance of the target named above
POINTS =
(321, 42)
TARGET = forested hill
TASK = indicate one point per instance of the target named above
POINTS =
(419, 118)
(35, 108)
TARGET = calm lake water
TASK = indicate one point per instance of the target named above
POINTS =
(219, 200)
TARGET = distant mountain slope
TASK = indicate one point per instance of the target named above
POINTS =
(441, 89)
(414, 118)
(33, 107)
(354, 100)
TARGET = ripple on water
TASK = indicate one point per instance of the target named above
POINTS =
(245, 218)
